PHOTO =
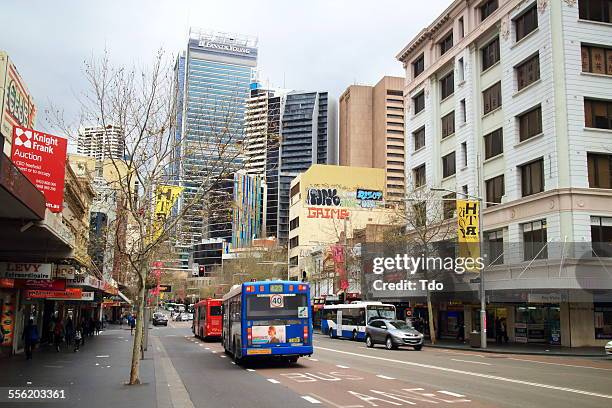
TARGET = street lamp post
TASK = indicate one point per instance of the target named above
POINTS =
(483, 299)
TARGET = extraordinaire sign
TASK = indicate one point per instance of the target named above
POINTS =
(68, 293)
(19, 270)
(41, 157)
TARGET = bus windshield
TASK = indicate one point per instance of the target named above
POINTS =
(215, 310)
(259, 306)
(381, 312)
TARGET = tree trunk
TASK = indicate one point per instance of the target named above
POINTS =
(138, 335)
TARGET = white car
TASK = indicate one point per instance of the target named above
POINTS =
(609, 348)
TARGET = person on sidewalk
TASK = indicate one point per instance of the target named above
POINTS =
(498, 331)
(30, 338)
(504, 329)
(84, 329)
(69, 331)
(78, 335)
(51, 330)
(132, 321)
(58, 334)
(98, 324)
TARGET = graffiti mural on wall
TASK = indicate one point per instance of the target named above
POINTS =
(338, 214)
(323, 196)
(344, 196)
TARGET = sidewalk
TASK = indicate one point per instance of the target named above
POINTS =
(527, 349)
(93, 377)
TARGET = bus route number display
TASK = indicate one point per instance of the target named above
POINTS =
(276, 301)
(276, 288)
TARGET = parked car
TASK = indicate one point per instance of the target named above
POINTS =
(160, 319)
(609, 349)
(392, 333)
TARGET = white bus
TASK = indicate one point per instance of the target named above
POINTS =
(350, 320)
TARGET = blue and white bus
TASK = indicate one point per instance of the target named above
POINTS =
(267, 319)
(350, 320)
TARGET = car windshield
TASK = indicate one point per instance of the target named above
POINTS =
(398, 324)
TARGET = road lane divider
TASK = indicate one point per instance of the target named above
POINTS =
(311, 399)
(472, 362)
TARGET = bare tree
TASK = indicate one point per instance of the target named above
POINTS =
(142, 103)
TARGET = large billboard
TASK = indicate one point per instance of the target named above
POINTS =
(41, 157)
(16, 103)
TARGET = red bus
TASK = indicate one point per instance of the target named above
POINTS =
(207, 319)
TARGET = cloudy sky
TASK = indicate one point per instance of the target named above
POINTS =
(307, 45)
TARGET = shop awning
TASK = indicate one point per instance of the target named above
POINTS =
(122, 296)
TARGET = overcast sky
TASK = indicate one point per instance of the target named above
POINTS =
(306, 45)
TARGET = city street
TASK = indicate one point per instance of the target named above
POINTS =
(343, 373)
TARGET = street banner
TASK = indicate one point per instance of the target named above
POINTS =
(7, 319)
(55, 284)
(468, 234)
(24, 270)
(165, 198)
(66, 294)
(85, 297)
(41, 157)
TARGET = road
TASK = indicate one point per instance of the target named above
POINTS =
(346, 374)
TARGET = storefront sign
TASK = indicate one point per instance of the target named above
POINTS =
(41, 157)
(55, 284)
(18, 108)
(544, 298)
(111, 304)
(64, 271)
(66, 294)
(18, 270)
(520, 332)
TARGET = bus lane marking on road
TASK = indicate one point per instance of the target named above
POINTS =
(559, 364)
(250, 369)
(333, 404)
(341, 366)
(103, 356)
(309, 377)
(474, 374)
(311, 399)
(273, 381)
(472, 362)
(385, 377)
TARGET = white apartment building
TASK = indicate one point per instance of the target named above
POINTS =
(101, 142)
(511, 101)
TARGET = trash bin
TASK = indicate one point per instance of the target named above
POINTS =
(475, 339)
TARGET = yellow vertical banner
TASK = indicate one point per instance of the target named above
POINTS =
(468, 233)
(165, 198)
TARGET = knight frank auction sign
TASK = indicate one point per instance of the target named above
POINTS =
(41, 157)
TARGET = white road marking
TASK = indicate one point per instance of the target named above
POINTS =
(213, 351)
(273, 381)
(313, 359)
(384, 377)
(250, 369)
(107, 366)
(233, 362)
(341, 366)
(103, 356)
(559, 364)
(474, 374)
(311, 400)
(452, 394)
(207, 348)
(29, 382)
(97, 364)
(222, 356)
(472, 362)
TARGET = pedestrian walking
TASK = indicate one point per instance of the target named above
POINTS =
(460, 331)
(132, 322)
(121, 321)
(98, 325)
(30, 338)
(69, 331)
(84, 322)
(78, 336)
(51, 330)
(498, 331)
(504, 330)
(58, 334)
(92, 326)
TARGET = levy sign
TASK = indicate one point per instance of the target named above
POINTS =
(41, 157)
(19, 270)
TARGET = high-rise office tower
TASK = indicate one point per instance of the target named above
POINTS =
(308, 136)
(101, 142)
(212, 79)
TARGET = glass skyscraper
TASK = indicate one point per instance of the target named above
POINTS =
(212, 80)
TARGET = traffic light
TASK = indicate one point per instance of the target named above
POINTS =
(201, 270)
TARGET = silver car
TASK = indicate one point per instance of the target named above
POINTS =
(392, 333)
(609, 349)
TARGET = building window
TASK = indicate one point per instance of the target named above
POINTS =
(490, 54)
(601, 236)
(294, 242)
(448, 165)
(449, 205)
(461, 28)
(599, 166)
(463, 112)
(294, 223)
(447, 84)
(492, 98)
(526, 23)
(419, 175)
(419, 102)
(495, 243)
(595, 10)
(597, 114)
(293, 261)
(530, 124)
(603, 320)
(528, 72)
(464, 153)
(464, 189)
(295, 189)
(461, 70)
(494, 143)
(419, 138)
(487, 8)
(495, 190)
(534, 240)
(597, 60)
(394, 92)
(532, 177)
(448, 124)
(446, 44)
(418, 66)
